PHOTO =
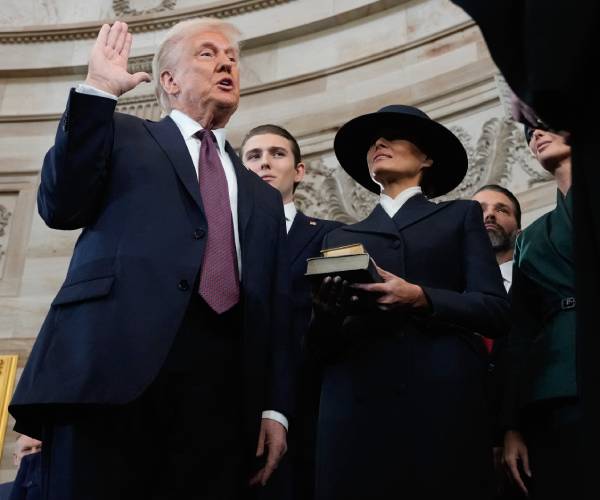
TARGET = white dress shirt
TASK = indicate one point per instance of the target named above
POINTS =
(392, 205)
(506, 270)
(290, 214)
(188, 127)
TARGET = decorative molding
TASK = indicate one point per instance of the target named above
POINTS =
(4, 218)
(123, 8)
(137, 23)
(134, 104)
(329, 193)
(499, 151)
(18, 196)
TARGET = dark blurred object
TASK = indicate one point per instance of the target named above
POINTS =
(546, 50)
(5, 489)
(28, 483)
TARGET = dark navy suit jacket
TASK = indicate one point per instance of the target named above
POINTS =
(402, 408)
(295, 476)
(5, 489)
(131, 185)
(28, 483)
(304, 241)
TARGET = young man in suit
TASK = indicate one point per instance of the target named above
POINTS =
(173, 320)
(273, 153)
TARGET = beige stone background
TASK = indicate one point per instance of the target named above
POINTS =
(308, 65)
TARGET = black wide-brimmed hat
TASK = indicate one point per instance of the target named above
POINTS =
(449, 157)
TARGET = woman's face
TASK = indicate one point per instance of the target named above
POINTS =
(392, 159)
(549, 149)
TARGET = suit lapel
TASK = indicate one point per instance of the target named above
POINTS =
(245, 197)
(301, 234)
(169, 138)
(416, 209)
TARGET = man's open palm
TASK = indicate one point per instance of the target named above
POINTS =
(107, 69)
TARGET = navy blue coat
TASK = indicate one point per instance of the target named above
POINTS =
(132, 187)
(402, 409)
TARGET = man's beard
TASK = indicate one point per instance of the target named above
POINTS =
(501, 240)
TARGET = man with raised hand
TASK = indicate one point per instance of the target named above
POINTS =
(171, 330)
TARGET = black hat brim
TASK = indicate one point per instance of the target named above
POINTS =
(450, 161)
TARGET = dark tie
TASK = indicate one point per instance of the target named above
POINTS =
(219, 280)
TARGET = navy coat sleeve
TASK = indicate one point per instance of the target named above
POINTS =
(483, 305)
(282, 376)
(76, 168)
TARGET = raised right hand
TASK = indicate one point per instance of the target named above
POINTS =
(107, 68)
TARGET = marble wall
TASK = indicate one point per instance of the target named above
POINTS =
(309, 65)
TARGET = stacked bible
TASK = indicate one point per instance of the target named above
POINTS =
(351, 262)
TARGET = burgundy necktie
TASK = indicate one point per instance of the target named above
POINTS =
(219, 280)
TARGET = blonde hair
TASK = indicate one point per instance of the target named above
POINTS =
(168, 53)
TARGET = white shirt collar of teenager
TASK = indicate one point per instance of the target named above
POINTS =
(290, 211)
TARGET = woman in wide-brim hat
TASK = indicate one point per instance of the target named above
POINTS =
(402, 404)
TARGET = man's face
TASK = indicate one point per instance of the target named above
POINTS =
(206, 74)
(25, 446)
(271, 157)
(499, 218)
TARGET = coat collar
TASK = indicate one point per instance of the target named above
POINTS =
(414, 210)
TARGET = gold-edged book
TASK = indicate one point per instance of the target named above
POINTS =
(351, 262)
(354, 249)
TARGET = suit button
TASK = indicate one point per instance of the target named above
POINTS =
(183, 285)
(198, 234)
(397, 244)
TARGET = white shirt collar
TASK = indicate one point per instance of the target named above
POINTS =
(290, 214)
(392, 205)
(290, 211)
(506, 269)
(188, 127)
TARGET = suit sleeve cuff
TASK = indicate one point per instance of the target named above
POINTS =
(278, 417)
(82, 88)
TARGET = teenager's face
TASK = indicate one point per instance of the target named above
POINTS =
(270, 156)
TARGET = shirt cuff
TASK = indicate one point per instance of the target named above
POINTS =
(278, 417)
(82, 88)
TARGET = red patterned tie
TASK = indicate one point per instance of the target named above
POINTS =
(219, 280)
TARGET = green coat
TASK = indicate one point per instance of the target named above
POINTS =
(542, 338)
